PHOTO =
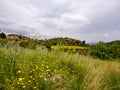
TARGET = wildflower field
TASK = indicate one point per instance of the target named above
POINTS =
(72, 49)
(68, 47)
(28, 69)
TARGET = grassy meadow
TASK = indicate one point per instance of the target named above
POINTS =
(27, 69)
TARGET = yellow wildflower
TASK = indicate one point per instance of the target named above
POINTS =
(42, 65)
(29, 81)
(12, 77)
(41, 76)
(33, 69)
(12, 88)
(31, 76)
(47, 66)
(24, 86)
(61, 69)
(20, 79)
(34, 79)
(34, 87)
(19, 71)
(36, 67)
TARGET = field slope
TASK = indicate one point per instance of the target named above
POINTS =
(25, 69)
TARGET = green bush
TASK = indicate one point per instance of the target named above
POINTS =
(24, 44)
(114, 50)
(3, 42)
(27, 44)
(104, 51)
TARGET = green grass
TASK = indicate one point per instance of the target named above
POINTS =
(26, 69)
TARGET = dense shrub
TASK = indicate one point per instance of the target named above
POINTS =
(27, 44)
(3, 42)
(114, 50)
(24, 44)
(104, 51)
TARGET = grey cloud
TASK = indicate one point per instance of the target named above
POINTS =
(89, 20)
(4, 20)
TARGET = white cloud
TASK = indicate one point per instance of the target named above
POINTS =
(117, 31)
(106, 34)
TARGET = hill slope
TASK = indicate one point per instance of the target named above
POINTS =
(34, 69)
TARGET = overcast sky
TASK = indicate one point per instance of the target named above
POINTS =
(89, 20)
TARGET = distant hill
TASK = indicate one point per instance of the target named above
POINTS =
(107, 43)
(112, 42)
(56, 41)
(92, 43)
(65, 41)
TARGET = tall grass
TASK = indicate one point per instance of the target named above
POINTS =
(26, 69)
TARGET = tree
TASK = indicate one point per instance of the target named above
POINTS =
(3, 35)
(83, 43)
